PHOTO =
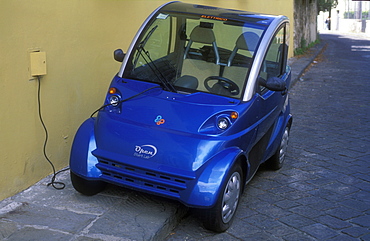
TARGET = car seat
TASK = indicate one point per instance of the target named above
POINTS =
(238, 66)
(201, 62)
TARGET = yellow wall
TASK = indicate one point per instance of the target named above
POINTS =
(78, 37)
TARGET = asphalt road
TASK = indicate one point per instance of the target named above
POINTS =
(323, 191)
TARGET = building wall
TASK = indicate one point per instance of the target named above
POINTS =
(79, 37)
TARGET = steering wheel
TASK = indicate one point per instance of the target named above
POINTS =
(226, 83)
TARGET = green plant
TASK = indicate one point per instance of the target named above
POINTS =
(352, 15)
(303, 49)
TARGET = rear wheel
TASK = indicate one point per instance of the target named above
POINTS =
(277, 160)
(220, 217)
(87, 187)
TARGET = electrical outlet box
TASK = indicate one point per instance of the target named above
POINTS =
(37, 63)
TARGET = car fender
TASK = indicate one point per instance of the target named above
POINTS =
(82, 162)
(285, 119)
(206, 190)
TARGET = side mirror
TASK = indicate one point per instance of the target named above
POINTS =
(273, 83)
(119, 55)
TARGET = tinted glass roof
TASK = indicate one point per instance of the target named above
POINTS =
(218, 13)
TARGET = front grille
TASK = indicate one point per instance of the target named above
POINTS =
(142, 178)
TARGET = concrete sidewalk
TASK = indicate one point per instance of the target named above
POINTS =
(300, 64)
(44, 213)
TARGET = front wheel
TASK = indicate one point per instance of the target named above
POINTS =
(86, 187)
(220, 217)
(277, 160)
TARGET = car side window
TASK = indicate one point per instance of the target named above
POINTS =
(274, 63)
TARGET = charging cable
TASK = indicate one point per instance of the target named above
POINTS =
(55, 184)
(121, 101)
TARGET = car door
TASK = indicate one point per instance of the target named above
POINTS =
(271, 102)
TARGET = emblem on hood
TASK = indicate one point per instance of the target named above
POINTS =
(145, 151)
(159, 120)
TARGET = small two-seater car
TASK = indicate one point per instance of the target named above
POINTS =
(200, 102)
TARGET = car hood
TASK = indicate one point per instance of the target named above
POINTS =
(162, 128)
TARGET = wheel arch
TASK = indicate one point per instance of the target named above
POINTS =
(207, 188)
(81, 161)
(245, 166)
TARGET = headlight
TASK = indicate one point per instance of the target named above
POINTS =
(219, 122)
(114, 100)
(223, 123)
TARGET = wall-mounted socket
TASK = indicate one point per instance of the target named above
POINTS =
(37, 64)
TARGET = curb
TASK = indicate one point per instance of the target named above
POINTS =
(300, 64)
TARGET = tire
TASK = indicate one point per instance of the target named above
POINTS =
(277, 160)
(220, 217)
(86, 187)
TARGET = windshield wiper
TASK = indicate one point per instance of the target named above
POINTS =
(168, 85)
(143, 43)
(148, 60)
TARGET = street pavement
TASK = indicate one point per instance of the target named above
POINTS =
(322, 192)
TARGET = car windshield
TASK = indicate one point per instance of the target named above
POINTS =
(190, 53)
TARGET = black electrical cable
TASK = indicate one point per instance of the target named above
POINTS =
(56, 185)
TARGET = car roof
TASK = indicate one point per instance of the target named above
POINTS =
(219, 13)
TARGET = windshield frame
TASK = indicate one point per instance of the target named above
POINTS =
(227, 16)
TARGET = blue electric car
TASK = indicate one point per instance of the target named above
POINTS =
(199, 103)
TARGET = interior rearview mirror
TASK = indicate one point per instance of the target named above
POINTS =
(119, 55)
